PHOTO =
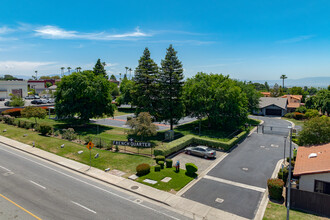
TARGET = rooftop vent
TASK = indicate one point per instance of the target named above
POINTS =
(312, 155)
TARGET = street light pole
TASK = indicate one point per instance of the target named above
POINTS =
(289, 188)
(285, 139)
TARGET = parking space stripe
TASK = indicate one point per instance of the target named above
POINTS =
(242, 185)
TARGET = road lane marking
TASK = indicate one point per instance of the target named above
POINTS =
(37, 184)
(5, 168)
(79, 180)
(242, 185)
(83, 207)
(20, 207)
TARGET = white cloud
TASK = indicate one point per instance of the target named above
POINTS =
(5, 30)
(22, 65)
(296, 39)
(53, 32)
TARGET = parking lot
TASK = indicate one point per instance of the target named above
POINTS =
(200, 162)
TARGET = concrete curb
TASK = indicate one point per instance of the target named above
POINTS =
(265, 198)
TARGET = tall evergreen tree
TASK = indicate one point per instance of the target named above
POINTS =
(99, 69)
(144, 92)
(170, 80)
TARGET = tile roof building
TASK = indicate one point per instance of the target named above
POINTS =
(313, 168)
(294, 101)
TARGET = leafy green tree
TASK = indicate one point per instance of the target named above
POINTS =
(113, 77)
(296, 90)
(125, 89)
(33, 112)
(312, 113)
(145, 92)
(216, 97)
(142, 125)
(85, 95)
(114, 89)
(16, 101)
(276, 91)
(260, 87)
(99, 69)
(312, 90)
(251, 93)
(267, 86)
(171, 108)
(315, 131)
(321, 101)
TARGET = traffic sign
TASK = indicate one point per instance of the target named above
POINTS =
(90, 145)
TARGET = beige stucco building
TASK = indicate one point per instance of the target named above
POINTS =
(15, 87)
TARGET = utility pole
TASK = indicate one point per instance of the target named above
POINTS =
(289, 188)
(285, 139)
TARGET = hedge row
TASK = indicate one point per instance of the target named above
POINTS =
(181, 143)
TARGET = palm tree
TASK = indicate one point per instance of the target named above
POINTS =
(62, 71)
(119, 76)
(283, 77)
(36, 74)
(130, 73)
(78, 69)
(69, 69)
(126, 69)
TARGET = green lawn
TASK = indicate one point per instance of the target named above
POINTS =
(120, 161)
(178, 181)
(276, 211)
(296, 122)
(124, 111)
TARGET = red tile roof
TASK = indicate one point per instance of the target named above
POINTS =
(307, 164)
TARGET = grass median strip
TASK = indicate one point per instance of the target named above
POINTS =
(178, 181)
(124, 162)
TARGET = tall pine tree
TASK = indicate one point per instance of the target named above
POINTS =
(99, 69)
(170, 80)
(144, 93)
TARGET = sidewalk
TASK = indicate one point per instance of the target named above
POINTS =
(187, 207)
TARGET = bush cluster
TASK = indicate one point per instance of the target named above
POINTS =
(14, 112)
(161, 164)
(169, 163)
(44, 129)
(143, 169)
(283, 174)
(159, 158)
(69, 134)
(157, 168)
(187, 140)
(275, 188)
(191, 169)
(298, 115)
(8, 119)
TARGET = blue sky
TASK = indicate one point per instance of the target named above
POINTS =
(253, 40)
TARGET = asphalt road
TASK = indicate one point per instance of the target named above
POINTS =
(48, 191)
(238, 182)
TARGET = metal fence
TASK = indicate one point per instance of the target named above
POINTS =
(318, 203)
(283, 131)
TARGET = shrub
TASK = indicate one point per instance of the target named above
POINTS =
(157, 168)
(191, 168)
(109, 146)
(21, 123)
(69, 134)
(16, 122)
(88, 139)
(117, 148)
(14, 112)
(29, 125)
(161, 164)
(45, 129)
(57, 133)
(159, 158)
(312, 113)
(275, 188)
(298, 115)
(143, 169)
(169, 163)
(283, 174)
(8, 119)
(301, 109)
(129, 118)
(288, 115)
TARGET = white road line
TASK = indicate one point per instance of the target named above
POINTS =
(37, 184)
(79, 180)
(83, 207)
(5, 168)
(242, 185)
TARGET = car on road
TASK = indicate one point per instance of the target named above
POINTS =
(2, 99)
(36, 97)
(36, 101)
(7, 103)
(29, 97)
(201, 151)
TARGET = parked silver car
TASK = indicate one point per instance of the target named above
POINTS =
(202, 151)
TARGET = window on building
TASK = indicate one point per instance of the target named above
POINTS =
(322, 187)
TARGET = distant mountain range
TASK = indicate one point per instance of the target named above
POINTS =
(310, 81)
